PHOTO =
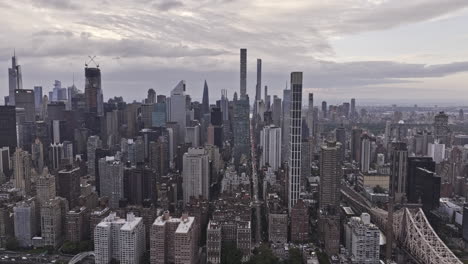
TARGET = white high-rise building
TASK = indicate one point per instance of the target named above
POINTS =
(196, 174)
(192, 135)
(295, 142)
(132, 240)
(111, 180)
(178, 108)
(362, 240)
(270, 141)
(45, 187)
(106, 239)
(436, 150)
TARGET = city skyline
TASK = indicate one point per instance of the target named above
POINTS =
(375, 46)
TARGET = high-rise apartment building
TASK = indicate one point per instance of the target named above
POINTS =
(77, 224)
(340, 137)
(93, 143)
(111, 180)
(243, 73)
(213, 243)
(442, 129)
(366, 142)
(270, 141)
(196, 174)
(362, 240)
(285, 126)
(22, 171)
(295, 141)
(398, 170)
(300, 222)
(356, 144)
(330, 178)
(45, 187)
(258, 88)
(53, 221)
(25, 223)
(132, 240)
(68, 185)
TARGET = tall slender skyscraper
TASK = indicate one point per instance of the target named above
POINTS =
(285, 123)
(243, 73)
(258, 91)
(353, 108)
(310, 114)
(205, 100)
(398, 170)
(324, 109)
(295, 141)
(93, 91)
(38, 98)
(14, 80)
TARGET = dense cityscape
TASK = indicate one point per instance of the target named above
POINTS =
(266, 179)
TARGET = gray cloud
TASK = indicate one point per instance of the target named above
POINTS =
(165, 5)
(57, 4)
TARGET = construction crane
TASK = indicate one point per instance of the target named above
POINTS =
(91, 59)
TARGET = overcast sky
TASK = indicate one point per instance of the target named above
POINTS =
(379, 51)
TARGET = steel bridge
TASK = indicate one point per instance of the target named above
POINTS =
(411, 230)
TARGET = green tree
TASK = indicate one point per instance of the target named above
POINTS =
(379, 189)
(263, 255)
(295, 256)
(230, 254)
(12, 244)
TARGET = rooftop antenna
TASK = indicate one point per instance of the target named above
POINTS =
(91, 59)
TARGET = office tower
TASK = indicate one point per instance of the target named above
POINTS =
(285, 126)
(340, 137)
(140, 185)
(14, 80)
(324, 109)
(111, 180)
(38, 99)
(196, 174)
(22, 171)
(93, 143)
(45, 105)
(241, 129)
(267, 99)
(45, 187)
(159, 114)
(224, 105)
(24, 98)
(25, 222)
(216, 128)
(205, 100)
(53, 221)
(147, 115)
(295, 141)
(365, 153)
(423, 183)
(158, 156)
(330, 178)
(356, 144)
(300, 222)
(68, 185)
(258, 90)
(151, 97)
(436, 151)
(363, 240)
(132, 240)
(178, 109)
(37, 155)
(310, 114)
(243, 73)
(353, 109)
(441, 128)
(213, 242)
(270, 141)
(398, 170)
(77, 224)
(5, 164)
(276, 111)
(8, 137)
(93, 91)
(192, 134)
(56, 153)
(174, 240)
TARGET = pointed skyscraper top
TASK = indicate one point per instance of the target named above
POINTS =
(205, 100)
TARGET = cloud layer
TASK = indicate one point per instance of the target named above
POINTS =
(154, 43)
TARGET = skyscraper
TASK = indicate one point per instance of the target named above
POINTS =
(363, 240)
(22, 171)
(286, 123)
(365, 153)
(68, 185)
(324, 109)
(441, 128)
(398, 170)
(340, 137)
(111, 180)
(14, 80)
(243, 73)
(310, 114)
(206, 100)
(8, 136)
(295, 141)
(270, 141)
(93, 91)
(330, 177)
(196, 174)
(25, 99)
(356, 144)
(241, 129)
(178, 109)
(258, 90)
(353, 109)
(38, 98)
(423, 183)
(151, 97)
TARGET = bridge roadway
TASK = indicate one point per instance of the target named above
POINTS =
(412, 231)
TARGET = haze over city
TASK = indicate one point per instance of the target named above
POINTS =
(382, 52)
